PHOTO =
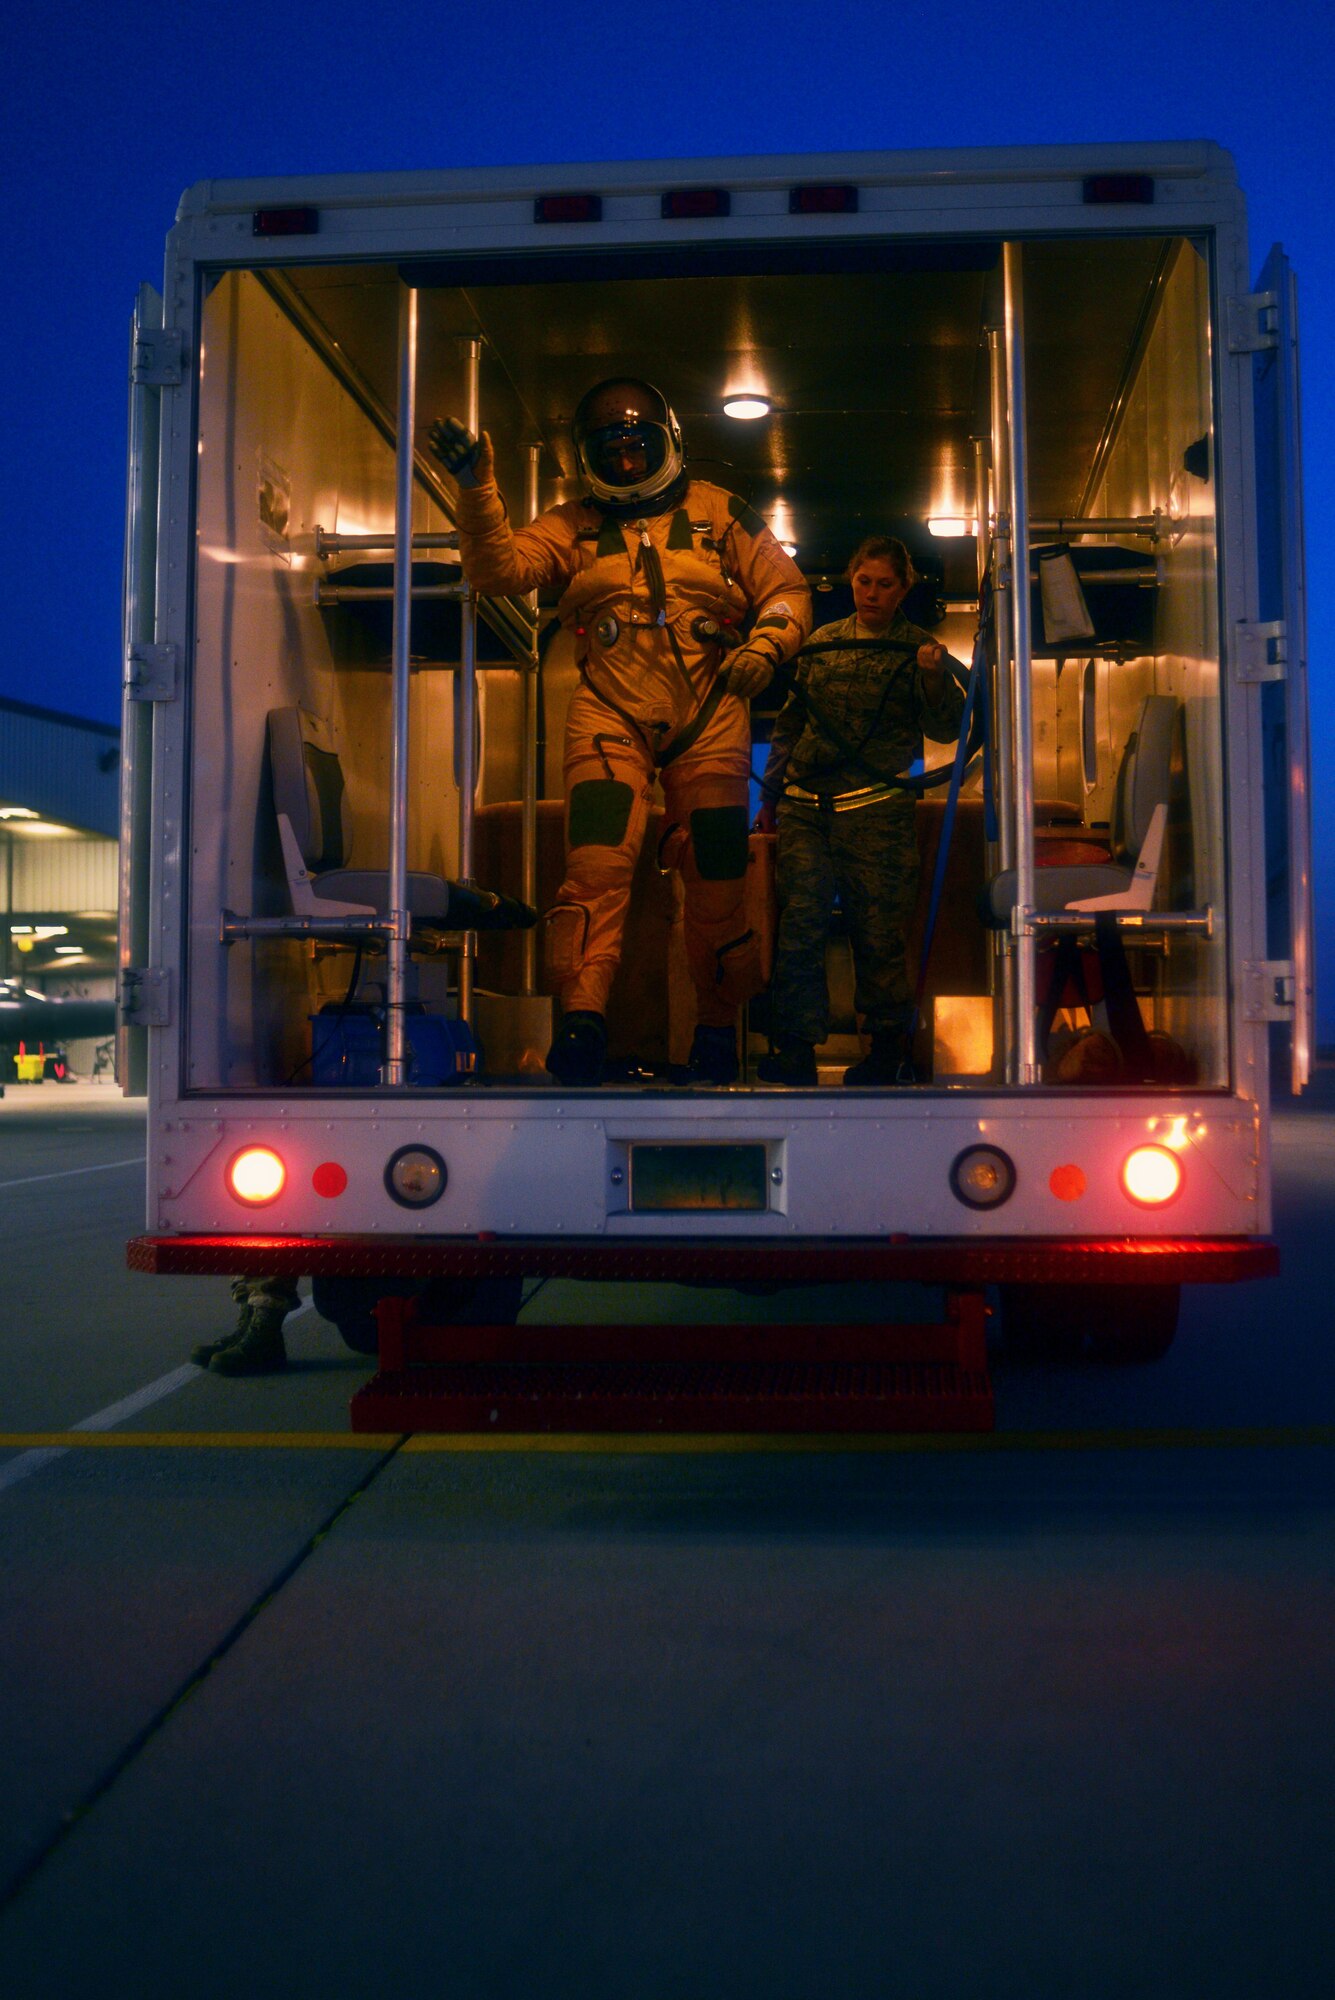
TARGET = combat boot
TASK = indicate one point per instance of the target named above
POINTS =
(793, 1063)
(889, 1061)
(577, 1056)
(259, 1351)
(713, 1057)
(202, 1356)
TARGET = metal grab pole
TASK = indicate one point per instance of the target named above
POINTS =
(466, 711)
(982, 509)
(1003, 945)
(400, 918)
(1013, 271)
(528, 809)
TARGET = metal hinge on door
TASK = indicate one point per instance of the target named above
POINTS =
(152, 671)
(1261, 650)
(1268, 989)
(1251, 322)
(159, 357)
(145, 997)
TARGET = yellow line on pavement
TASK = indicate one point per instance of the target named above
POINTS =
(1242, 1437)
(199, 1440)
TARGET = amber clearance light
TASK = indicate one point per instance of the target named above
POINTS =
(256, 1176)
(1152, 1176)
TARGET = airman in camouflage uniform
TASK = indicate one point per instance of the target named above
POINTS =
(855, 720)
(255, 1345)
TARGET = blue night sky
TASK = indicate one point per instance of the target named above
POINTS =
(112, 112)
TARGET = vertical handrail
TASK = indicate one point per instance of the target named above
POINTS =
(982, 510)
(466, 711)
(999, 552)
(1296, 721)
(528, 808)
(137, 629)
(400, 919)
(1001, 707)
(1013, 273)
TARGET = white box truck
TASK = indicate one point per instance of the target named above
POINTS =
(1038, 367)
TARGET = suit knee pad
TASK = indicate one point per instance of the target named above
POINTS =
(600, 810)
(719, 838)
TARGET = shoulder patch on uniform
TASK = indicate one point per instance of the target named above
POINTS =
(611, 541)
(744, 514)
(679, 531)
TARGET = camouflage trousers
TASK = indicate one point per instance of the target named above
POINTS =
(869, 860)
(267, 1294)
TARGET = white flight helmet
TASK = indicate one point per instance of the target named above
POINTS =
(628, 442)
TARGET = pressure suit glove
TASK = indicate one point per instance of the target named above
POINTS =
(467, 458)
(749, 671)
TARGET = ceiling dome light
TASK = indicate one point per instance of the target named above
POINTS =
(946, 525)
(789, 548)
(746, 408)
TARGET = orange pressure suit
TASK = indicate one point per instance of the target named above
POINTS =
(641, 596)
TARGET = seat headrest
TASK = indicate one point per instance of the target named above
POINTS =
(1144, 774)
(308, 785)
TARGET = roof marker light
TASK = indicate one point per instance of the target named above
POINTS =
(568, 208)
(256, 1176)
(1152, 1176)
(821, 198)
(683, 204)
(285, 222)
(1109, 188)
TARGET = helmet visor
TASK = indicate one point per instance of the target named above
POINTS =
(625, 455)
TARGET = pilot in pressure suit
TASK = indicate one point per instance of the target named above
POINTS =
(658, 573)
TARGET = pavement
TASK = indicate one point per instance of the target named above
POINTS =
(290, 1711)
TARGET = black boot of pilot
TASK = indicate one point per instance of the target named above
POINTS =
(889, 1061)
(204, 1353)
(713, 1057)
(259, 1351)
(793, 1063)
(577, 1056)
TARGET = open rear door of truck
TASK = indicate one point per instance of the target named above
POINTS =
(1283, 611)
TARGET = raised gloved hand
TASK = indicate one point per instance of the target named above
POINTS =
(748, 672)
(469, 459)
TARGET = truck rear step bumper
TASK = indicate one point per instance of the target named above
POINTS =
(718, 1261)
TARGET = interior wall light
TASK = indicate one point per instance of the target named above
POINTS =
(746, 408)
(946, 525)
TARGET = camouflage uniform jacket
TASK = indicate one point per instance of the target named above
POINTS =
(877, 701)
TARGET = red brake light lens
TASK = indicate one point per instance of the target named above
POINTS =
(256, 1176)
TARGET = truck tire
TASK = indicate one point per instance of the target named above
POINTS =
(1137, 1323)
(1122, 1323)
(350, 1303)
(1042, 1322)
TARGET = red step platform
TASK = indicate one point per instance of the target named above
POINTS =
(708, 1379)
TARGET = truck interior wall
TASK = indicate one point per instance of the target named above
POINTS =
(284, 447)
(1168, 411)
